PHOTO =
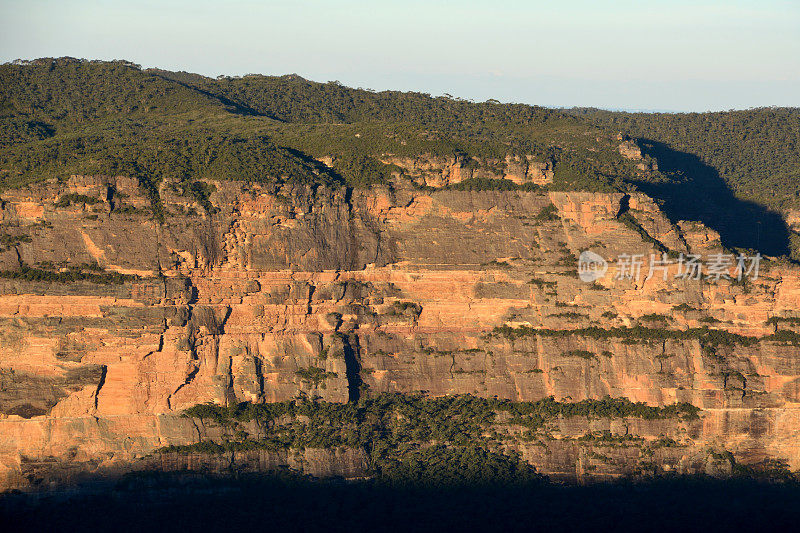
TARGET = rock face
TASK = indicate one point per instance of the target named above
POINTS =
(343, 293)
(437, 171)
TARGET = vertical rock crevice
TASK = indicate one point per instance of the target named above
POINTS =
(100, 383)
(353, 245)
(352, 361)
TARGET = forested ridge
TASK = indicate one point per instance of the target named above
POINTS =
(67, 116)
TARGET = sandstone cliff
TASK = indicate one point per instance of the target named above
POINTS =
(114, 322)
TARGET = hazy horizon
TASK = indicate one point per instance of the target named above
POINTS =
(627, 56)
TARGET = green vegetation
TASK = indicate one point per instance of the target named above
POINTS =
(583, 354)
(412, 309)
(778, 320)
(568, 315)
(468, 465)
(568, 259)
(64, 116)
(73, 273)
(315, 376)
(494, 263)
(547, 213)
(69, 199)
(410, 437)
(542, 284)
(490, 184)
(705, 335)
(8, 241)
(654, 318)
(607, 439)
(710, 339)
(201, 191)
(785, 337)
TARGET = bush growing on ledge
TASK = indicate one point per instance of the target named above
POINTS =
(67, 199)
(456, 466)
(201, 191)
(490, 184)
(494, 263)
(547, 213)
(315, 375)
(568, 315)
(655, 318)
(777, 320)
(405, 309)
(540, 283)
(631, 222)
(90, 273)
(706, 335)
(583, 354)
(785, 337)
(534, 414)
(8, 241)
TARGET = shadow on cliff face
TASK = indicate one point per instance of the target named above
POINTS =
(699, 193)
(284, 504)
(353, 366)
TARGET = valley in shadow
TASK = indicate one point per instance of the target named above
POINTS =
(164, 502)
(697, 192)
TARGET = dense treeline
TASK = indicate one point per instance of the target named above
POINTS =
(293, 99)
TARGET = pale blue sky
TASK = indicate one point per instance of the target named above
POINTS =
(632, 54)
